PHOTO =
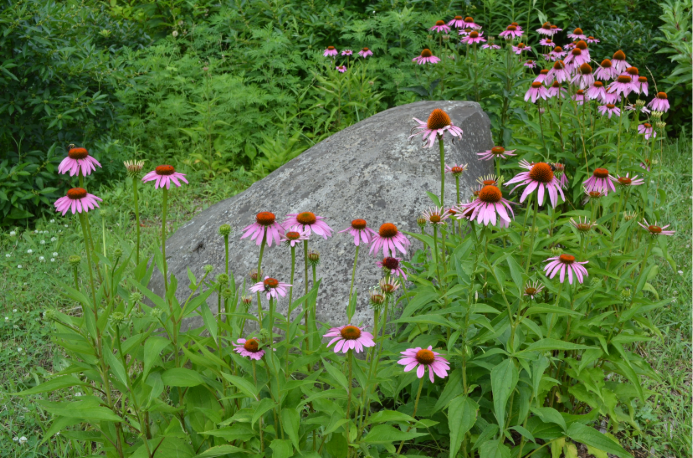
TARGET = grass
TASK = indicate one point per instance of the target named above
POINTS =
(27, 355)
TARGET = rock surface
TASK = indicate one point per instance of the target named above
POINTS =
(370, 170)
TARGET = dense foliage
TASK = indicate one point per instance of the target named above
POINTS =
(514, 333)
(243, 85)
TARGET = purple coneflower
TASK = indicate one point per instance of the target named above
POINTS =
(541, 178)
(575, 58)
(365, 52)
(556, 54)
(272, 287)
(330, 52)
(310, 222)
(437, 124)
(563, 263)
(473, 38)
(533, 289)
(559, 172)
(490, 46)
(655, 230)
(536, 91)
(577, 34)
(495, 152)
(440, 27)
(545, 29)
(627, 181)
(599, 181)
(556, 90)
(457, 22)
(421, 359)
(388, 286)
(591, 39)
(555, 29)
(660, 102)
(341, 68)
(393, 265)
(579, 96)
(164, 175)
(484, 208)
(619, 62)
(77, 200)
(584, 78)
(547, 42)
(347, 52)
(256, 231)
(609, 109)
(597, 91)
(295, 235)
(350, 337)
(426, 57)
(248, 348)
(455, 169)
(558, 72)
(520, 48)
(390, 240)
(583, 225)
(470, 24)
(530, 64)
(643, 85)
(436, 215)
(78, 159)
(606, 71)
(360, 231)
(622, 85)
(592, 195)
(541, 77)
(647, 130)
(511, 32)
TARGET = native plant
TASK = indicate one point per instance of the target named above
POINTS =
(511, 333)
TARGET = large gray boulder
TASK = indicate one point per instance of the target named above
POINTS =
(370, 170)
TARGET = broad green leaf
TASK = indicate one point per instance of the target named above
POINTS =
(152, 350)
(462, 413)
(281, 448)
(290, 423)
(593, 438)
(554, 344)
(336, 374)
(220, 450)
(243, 385)
(384, 434)
(551, 309)
(58, 383)
(549, 415)
(86, 410)
(494, 449)
(516, 273)
(179, 376)
(116, 366)
(383, 416)
(265, 405)
(503, 381)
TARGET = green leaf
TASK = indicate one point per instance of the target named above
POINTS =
(593, 438)
(493, 449)
(503, 381)
(88, 411)
(220, 450)
(554, 344)
(383, 434)
(551, 309)
(281, 448)
(435, 320)
(549, 415)
(179, 376)
(290, 423)
(265, 405)
(462, 414)
(243, 385)
(516, 273)
(55, 384)
(383, 416)
(116, 366)
(336, 374)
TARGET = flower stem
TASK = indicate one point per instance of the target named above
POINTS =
(353, 275)
(435, 254)
(82, 218)
(137, 220)
(558, 299)
(163, 238)
(348, 411)
(259, 273)
(416, 406)
(306, 309)
(260, 427)
(288, 313)
(618, 143)
(442, 169)
(531, 243)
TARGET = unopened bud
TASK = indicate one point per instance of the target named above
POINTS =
(629, 215)
(377, 300)
(223, 279)
(227, 293)
(247, 300)
(639, 103)
(660, 125)
(117, 318)
(118, 253)
(156, 313)
(135, 298)
(224, 229)
(421, 221)
(209, 269)
(656, 114)
(133, 167)
(255, 275)
(556, 251)
(625, 293)
(74, 260)
(49, 315)
(313, 258)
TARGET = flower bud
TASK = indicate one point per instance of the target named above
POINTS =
(49, 315)
(639, 103)
(117, 318)
(225, 230)
(227, 293)
(625, 293)
(556, 251)
(133, 167)
(313, 258)
(376, 300)
(247, 300)
(135, 298)
(156, 313)
(255, 275)
(657, 114)
(223, 279)
(421, 221)
(660, 125)
(118, 253)
(629, 215)
(209, 269)
(74, 260)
